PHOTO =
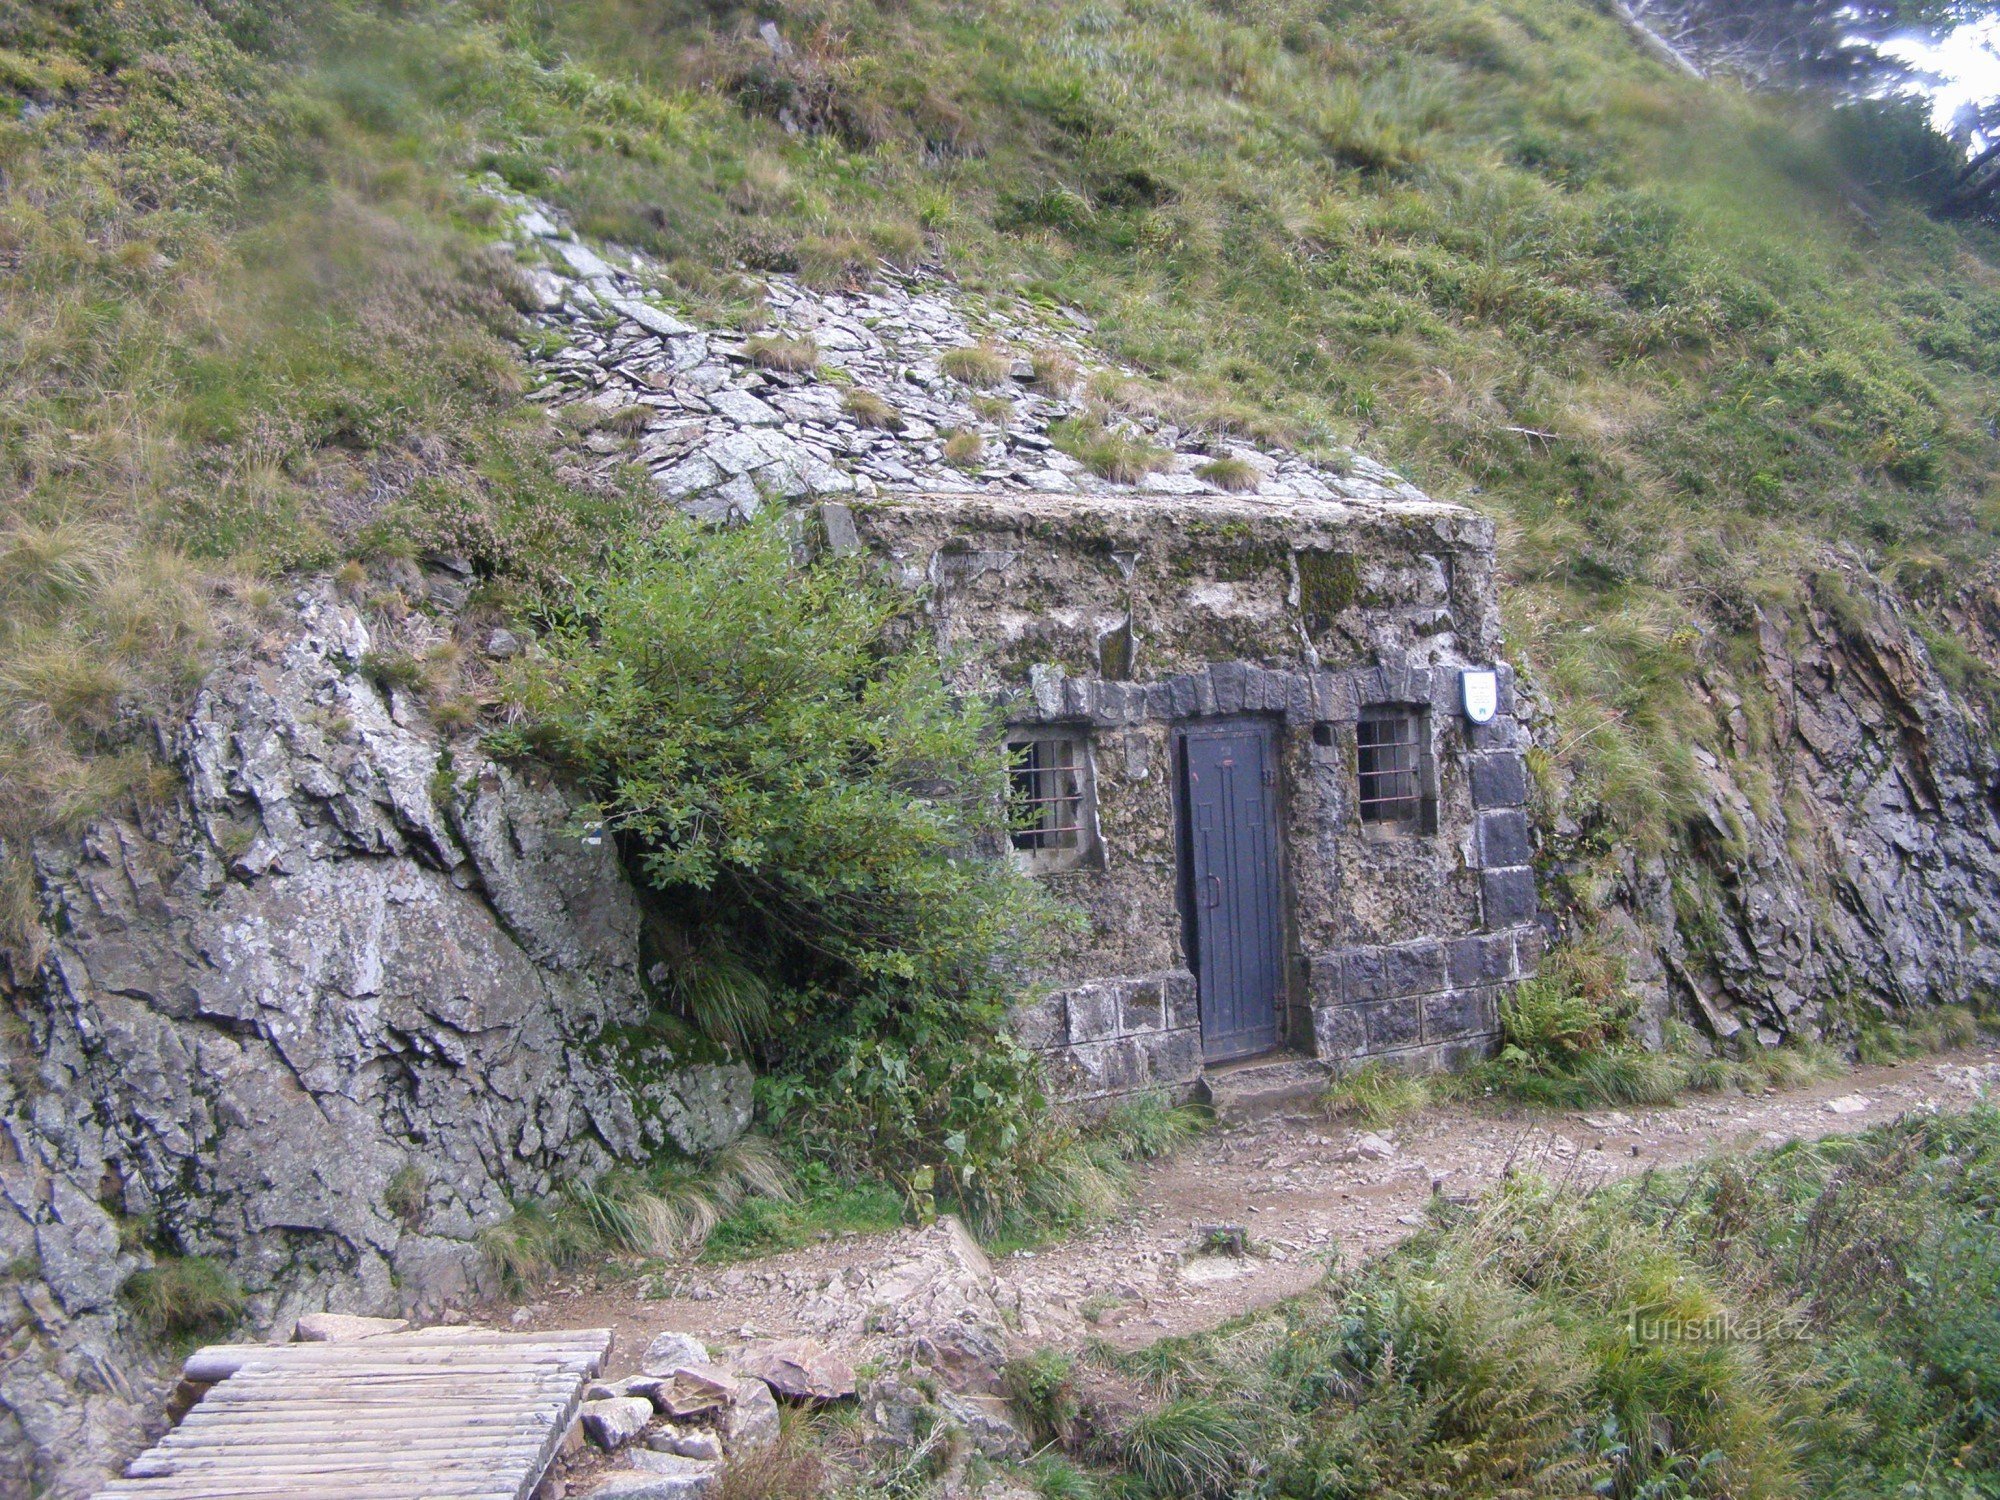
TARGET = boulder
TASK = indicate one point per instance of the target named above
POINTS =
(966, 1356)
(673, 1477)
(686, 1442)
(1371, 1147)
(613, 1423)
(753, 1420)
(988, 1422)
(693, 1480)
(673, 1351)
(798, 1370)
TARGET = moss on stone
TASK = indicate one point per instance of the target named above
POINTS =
(1329, 585)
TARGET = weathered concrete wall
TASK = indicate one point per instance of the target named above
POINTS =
(320, 1016)
(1131, 616)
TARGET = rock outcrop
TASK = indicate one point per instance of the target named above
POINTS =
(1848, 848)
(322, 1014)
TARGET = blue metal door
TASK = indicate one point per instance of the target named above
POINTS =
(1229, 863)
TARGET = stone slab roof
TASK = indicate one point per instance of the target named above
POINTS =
(727, 433)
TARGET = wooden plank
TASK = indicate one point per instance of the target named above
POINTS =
(491, 1439)
(363, 1466)
(469, 1414)
(321, 1412)
(292, 1489)
(216, 1362)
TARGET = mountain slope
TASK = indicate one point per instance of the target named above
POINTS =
(1646, 321)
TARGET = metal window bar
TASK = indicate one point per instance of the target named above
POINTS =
(1047, 794)
(1386, 756)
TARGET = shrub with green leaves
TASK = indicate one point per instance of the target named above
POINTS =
(787, 778)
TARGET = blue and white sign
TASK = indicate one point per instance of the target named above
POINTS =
(1481, 691)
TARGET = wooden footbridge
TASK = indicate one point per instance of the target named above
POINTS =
(442, 1412)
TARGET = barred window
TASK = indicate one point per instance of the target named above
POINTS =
(1389, 748)
(1049, 798)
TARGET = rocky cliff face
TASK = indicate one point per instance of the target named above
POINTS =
(321, 1015)
(1849, 841)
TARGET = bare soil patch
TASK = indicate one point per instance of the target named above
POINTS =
(1306, 1192)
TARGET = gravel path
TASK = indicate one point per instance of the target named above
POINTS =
(1306, 1192)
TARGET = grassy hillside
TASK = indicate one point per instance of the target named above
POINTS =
(1813, 1321)
(1651, 325)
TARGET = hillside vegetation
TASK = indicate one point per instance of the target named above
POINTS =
(252, 321)
(1817, 1320)
(1651, 325)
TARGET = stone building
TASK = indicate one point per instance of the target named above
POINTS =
(1236, 684)
(1240, 743)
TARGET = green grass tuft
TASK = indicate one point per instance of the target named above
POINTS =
(1375, 1094)
(183, 1295)
(795, 356)
(668, 1209)
(1233, 474)
(872, 411)
(964, 448)
(1107, 451)
(978, 365)
(1191, 1448)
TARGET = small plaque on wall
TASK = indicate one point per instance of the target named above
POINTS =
(1481, 690)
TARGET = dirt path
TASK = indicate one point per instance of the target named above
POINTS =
(1306, 1192)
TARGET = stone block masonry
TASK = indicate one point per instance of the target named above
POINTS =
(1117, 1036)
(1426, 1004)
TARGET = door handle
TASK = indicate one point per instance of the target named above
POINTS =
(1216, 899)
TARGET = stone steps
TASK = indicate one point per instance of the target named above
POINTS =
(1264, 1086)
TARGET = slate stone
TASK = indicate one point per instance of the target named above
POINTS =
(1481, 959)
(613, 1423)
(1508, 897)
(798, 1369)
(1498, 780)
(669, 1352)
(1338, 1032)
(1142, 1006)
(1391, 1023)
(743, 409)
(1041, 1024)
(1172, 1057)
(1501, 732)
(753, 1421)
(1503, 838)
(1456, 1013)
(652, 319)
(1413, 968)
